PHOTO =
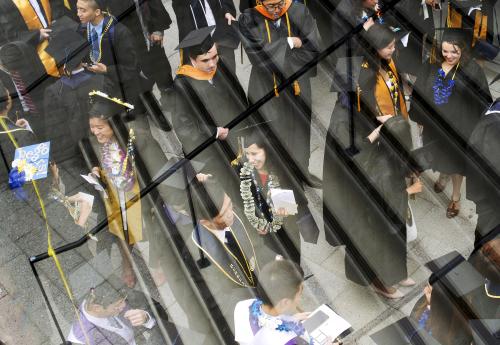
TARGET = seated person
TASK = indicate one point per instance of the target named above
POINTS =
(274, 318)
(110, 318)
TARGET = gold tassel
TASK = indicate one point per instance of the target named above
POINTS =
(358, 96)
(276, 92)
(67, 5)
(296, 88)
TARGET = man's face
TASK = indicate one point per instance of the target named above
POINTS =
(86, 12)
(225, 218)
(207, 62)
(273, 7)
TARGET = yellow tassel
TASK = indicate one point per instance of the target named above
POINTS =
(358, 96)
(67, 5)
(296, 88)
(276, 92)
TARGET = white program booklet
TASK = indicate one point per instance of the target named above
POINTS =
(284, 198)
(324, 324)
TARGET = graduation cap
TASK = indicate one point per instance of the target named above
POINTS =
(403, 331)
(102, 4)
(68, 48)
(346, 74)
(198, 40)
(105, 106)
(62, 24)
(458, 275)
(457, 35)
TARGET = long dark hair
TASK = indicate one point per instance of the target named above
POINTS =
(464, 49)
(378, 37)
(259, 138)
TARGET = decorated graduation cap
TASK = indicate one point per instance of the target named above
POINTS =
(197, 42)
(68, 48)
(104, 106)
(403, 331)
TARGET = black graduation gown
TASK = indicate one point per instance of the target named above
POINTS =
(290, 114)
(66, 111)
(364, 198)
(469, 99)
(201, 107)
(153, 63)
(120, 57)
(485, 142)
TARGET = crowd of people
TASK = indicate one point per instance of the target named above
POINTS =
(228, 214)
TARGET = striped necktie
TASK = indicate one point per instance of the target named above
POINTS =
(94, 40)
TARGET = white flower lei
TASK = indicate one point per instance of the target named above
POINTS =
(249, 203)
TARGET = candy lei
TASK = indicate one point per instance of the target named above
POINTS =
(117, 166)
(442, 90)
(262, 320)
(89, 39)
(247, 175)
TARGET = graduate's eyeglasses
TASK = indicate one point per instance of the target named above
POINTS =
(276, 6)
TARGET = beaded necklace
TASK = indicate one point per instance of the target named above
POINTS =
(260, 319)
(442, 90)
(393, 88)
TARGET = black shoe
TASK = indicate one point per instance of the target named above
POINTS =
(313, 181)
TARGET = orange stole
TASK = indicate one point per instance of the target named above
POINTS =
(195, 73)
(134, 214)
(33, 23)
(383, 95)
(262, 10)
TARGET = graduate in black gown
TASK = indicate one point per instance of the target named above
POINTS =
(66, 102)
(365, 196)
(147, 22)
(482, 176)
(279, 37)
(452, 93)
(207, 97)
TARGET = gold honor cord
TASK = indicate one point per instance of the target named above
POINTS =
(50, 248)
(249, 276)
(104, 31)
(296, 86)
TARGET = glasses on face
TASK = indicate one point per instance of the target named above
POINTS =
(275, 6)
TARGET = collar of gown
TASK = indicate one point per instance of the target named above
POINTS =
(195, 73)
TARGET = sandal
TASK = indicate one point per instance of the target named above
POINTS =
(453, 209)
(440, 183)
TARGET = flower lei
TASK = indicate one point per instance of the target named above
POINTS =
(258, 317)
(117, 166)
(247, 175)
(442, 90)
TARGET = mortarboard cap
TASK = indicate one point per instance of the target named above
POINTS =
(403, 331)
(62, 24)
(105, 106)
(346, 73)
(198, 39)
(68, 48)
(458, 275)
(457, 35)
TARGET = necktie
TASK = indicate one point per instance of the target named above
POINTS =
(94, 40)
(24, 97)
